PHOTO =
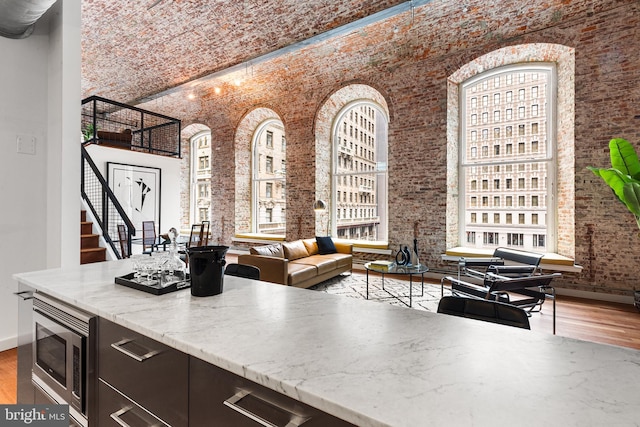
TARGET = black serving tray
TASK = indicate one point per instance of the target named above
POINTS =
(129, 281)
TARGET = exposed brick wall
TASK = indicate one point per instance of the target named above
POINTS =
(408, 60)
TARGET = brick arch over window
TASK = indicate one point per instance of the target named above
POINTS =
(564, 59)
(242, 143)
(324, 124)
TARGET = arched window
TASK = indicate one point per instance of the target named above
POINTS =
(268, 179)
(531, 203)
(359, 173)
(200, 183)
(523, 157)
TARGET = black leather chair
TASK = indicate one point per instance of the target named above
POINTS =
(243, 270)
(488, 311)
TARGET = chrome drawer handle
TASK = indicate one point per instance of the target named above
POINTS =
(232, 402)
(116, 417)
(119, 346)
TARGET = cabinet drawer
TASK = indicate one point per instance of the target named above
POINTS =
(220, 398)
(115, 408)
(152, 374)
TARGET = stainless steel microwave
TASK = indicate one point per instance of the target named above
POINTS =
(61, 354)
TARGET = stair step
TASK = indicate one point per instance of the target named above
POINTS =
(93, 255)
(83, 216)
(86, 228)
(88, 241)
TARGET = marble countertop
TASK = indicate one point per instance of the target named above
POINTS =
(369, 363)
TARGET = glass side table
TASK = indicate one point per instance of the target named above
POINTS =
(400, 270)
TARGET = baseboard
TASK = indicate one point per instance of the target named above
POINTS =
(8, 343)
(598, 296)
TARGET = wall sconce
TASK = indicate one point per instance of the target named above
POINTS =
(320, 206)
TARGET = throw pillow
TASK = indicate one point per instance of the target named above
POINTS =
(326, 245)
(311, 245)
(294, 250)
(267, 250)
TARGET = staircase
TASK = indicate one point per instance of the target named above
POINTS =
(90, 250)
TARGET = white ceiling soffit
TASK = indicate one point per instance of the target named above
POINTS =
(18, 17)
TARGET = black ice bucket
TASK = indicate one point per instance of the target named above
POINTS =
(206, 267)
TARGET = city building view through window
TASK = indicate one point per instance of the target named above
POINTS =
(269, 179)
(507, 159)
(201, 177)
(360, 174)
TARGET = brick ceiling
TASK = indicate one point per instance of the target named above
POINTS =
(132, 50)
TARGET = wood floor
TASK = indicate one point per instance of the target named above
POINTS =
(8, 376)
(598, 321)
(589, 320)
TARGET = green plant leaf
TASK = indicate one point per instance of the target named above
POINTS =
(624, 157)
(632, 196)
(614, 178)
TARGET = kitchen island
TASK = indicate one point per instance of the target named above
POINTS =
(369, 363)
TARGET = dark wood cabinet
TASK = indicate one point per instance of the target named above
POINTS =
(219, 397)
(116, 409)
(143, 382)
(146, 372)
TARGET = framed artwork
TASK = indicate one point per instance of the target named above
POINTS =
(137, 189)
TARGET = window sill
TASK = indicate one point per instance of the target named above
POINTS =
(258, 238)
(550, 261)
(371, 247)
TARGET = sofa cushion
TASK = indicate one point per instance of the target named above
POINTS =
(325, 245)
(268, 250)
(323, 263)
(294, 250)
(297, 273)
(311, 245)
(342, 260)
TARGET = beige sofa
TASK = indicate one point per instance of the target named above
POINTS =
(298, 263)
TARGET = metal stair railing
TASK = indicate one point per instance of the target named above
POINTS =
(103, 204)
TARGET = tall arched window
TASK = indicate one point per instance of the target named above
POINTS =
(200, 184)
(507, 177)
(528, 127)
(268, 194)
(359, 173)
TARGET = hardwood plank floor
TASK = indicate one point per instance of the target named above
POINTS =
(590, 320)
(8, 376)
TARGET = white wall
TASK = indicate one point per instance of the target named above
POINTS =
(63, 159)
(169, 178)
(37, 78)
